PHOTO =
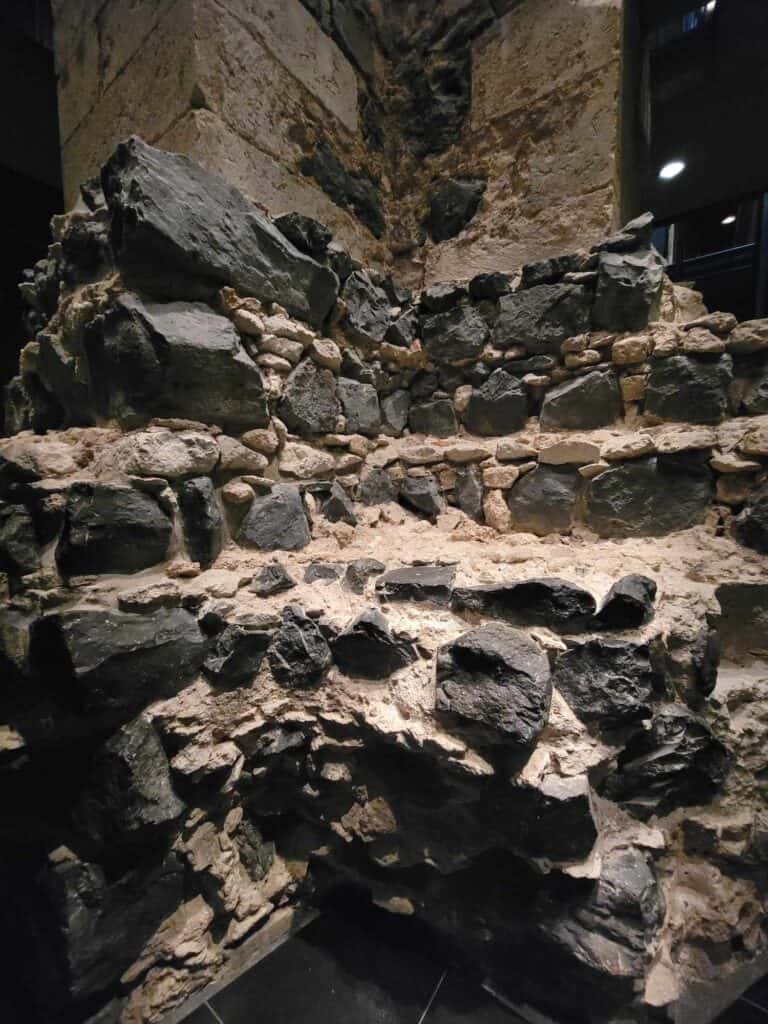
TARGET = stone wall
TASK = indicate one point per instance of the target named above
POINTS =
(309, 580)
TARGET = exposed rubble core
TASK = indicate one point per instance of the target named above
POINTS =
(459, 596)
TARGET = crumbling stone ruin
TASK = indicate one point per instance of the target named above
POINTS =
(456, 596)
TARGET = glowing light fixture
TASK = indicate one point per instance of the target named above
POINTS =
(730, 219)
(672, 169)
(710, 6)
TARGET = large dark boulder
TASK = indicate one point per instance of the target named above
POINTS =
(430, 583)
(114, 662)
(172, 359)
(369, 649)
(628, 604)
(498, 406)
(179, 232)
(676, 762)
(646, 498)
(688, 389)
(558, 604)
(452, 206)
(628, 290)
(496, 681)
(541, 318)
(276, 521)
(309, 404)
(305, 233)
(360, 406)
(456, 334)
(606, 682)
(19, 553)
(751, 525)
(203, 519)
(544, 500)
(111, 528)
(129, 796)
(366, 319)
(299, 654)
(583, 403)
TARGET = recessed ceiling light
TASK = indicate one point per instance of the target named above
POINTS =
(730, 219)
(711, 5)
(671, 170)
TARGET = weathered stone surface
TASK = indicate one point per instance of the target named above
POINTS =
(111, 528)
(367, 648)
(496, 680)
(305, 233)
(358, 572)
(751, 525)
(367, 318)
(276, 521)
(675, 762)
(203, 519)
(237, 654)
(376, 488)
(238, 458)
(542, 317)
(309, 404)
(129, 794)
(430, 583)
(181, 233)
(304, 462)
(456, 334)
(116, 662)
(646, 498)
(18, 544)
(352, 190)
(337, 507)
(749, 336)
(755, 399)
(163, 453)
(436, 418)
(439, 298)
(544, 500)
(743, 623)
(299, 655)
(552, 602)
(691, 390)
(489, 286)
(584, 403)
(628, 604)
(272, 579)
(628, 290)
(606, 683)
(469, 491)
(452, 207)
(394, 412)
(327, 572)
(360, 405)
(421, 495)
(498, 406)
(550, 271)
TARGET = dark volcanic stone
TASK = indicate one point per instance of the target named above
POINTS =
(111, 528)
(116, 662)
(272, 579)
(179, 232)
(436, 418)
(550, 271)
(360, 405)
(458, 333)
(29, 405)
(544, 500)
(690, 390)
(636, 234)
(368, 648)
(129, 794)
(309, 404)
(551, 602)
(394, 412)
(358, 572)
(489, 286)
(432, 583)
(452, 207)
(305, 233)
(440, 297)
(469, 491)
(743, 623)
(376, 488)
(583, 403)
(606, 682)
(674, 763)
(628, 604)
(276, 521)
(352, 190)
(628, 290)
(337, 257)
(552, 821)
(751, 526)
(638, 498)
(403, 330)
(237, 654)
(338, 507)
(299, 654)
(367, 319)
(496, 678)
(421, 495)
(541, 318)
(756, 396)
(18, 544)
(498, 406)
(326, 571)
(203, 519)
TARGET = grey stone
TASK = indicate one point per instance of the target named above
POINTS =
(743, 622)
(237, 654)
(272, 579)
(755, 399)
(367, 318)
(430, 583)
(458, 333)
(305, 233)
(636, 234)
(542, 317)
(323, 571)
(544, 500)
(436, 418)
(489, 286)
(358, 572)
(751, 525)
(352, 190)
(421, 495)
(549, 601)
(276, 521)
(338, 507)
(203, 519)
(394, 412)
(18, 544)
(469, 491)
(299, 655)
(402, 331)
(584, 403)
(628, 604)
(605, 682)
(369, 649)
(498, 406)
(179, 232)
(360, 404)
(495, 680)
(628, 292)
(452, 206)
(687, 389)
(441, 297)
(376, 487)
(309, 404)
(550, 271)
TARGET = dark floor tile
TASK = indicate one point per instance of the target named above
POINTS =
(759, 993)
(743, 1013)
(461, 1000)
(335, 971)
(202, 1015)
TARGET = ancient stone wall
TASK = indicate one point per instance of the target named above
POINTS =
(459, 596)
